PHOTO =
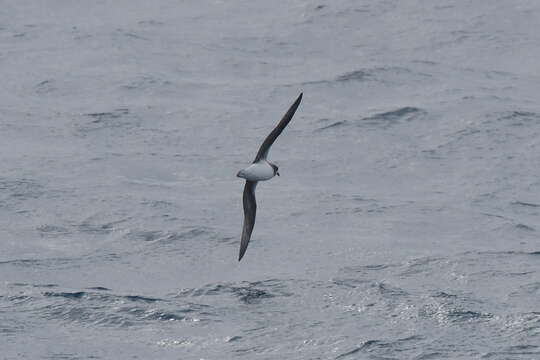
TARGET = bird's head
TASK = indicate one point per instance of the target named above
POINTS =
(274, 166)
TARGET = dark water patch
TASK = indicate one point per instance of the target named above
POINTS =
(316, 82)
(102, 257)
(362, 274)
(62, 356)
(509, 253)
(523, 273)
(530, 288)
(420, 265)
(444, 295)
(148, 235)
(44, 87)
(516, 350)
(113, 310)
(432, 154)
(142, 298)
(128, 34)
(101, 297)
(172, 237)
(426, 62)
(40, 263)
(404, 112)
(35, 285)
(10, 330)
(388, 75)
(19, 299)
(504, 253)
(358, 75)
(164, 316)
(372, 209)
(20, 189)
(185, 235)
(67, 295)
(118, 118)
(449, 308)
(351, 283)
(150, 23)
(233, 239)
(52, 230)
(371, 267)
(84, 313)
(213, 289)
(430, 356)
(251, 349)
(520, 118)
(99, 117)
(143, 314)
(90, 226)
(96, 228)
(362, 199)
(146, 82)
(99, 288)
(371, 346)
(467, 315)
(492, 215)
(19, 262)
(523, 347)
(387, 119)
(524, 227)
(44, 285)
(159, 204)
(383, 74)
(389, 290)
(245, 292)
(376, 267)
(337, 124)
(462, 134)
(250, 295)
(522, 203)
(366, 345)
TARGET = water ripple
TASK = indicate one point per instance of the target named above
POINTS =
(246, 292)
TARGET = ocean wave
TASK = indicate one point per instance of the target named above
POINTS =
(245, 292)
(99, 308)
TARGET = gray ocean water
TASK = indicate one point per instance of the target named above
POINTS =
(405, 223)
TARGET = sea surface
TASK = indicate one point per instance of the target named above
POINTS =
(405, 223)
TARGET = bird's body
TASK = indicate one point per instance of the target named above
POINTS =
(260, 170)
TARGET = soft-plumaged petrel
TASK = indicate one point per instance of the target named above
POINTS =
(260, 170)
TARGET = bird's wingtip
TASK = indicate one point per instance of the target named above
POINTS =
(298, 99)
(243, 248)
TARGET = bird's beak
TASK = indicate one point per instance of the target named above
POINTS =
(277, 173)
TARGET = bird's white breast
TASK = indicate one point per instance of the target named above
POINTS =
(258, 171)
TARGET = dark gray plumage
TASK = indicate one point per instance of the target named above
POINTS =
(267, 143)
(250, 210)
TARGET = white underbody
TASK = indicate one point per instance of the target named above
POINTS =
(258, 171)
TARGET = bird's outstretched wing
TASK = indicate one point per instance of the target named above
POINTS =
(250, 209)
(267, 143)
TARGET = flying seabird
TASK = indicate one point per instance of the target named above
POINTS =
(260, 170)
